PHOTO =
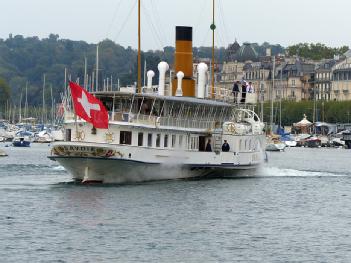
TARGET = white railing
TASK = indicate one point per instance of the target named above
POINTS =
(186, 123)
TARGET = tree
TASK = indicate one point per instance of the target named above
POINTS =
(4, 93)
(315, 51)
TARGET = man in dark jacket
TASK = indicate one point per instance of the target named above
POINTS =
(225, 146)
(208, 146)
(243, 92)
(236, 91)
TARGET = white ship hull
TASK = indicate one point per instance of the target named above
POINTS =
(123, 164)
(124, 171)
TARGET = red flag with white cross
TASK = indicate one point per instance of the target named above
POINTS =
(88, 107)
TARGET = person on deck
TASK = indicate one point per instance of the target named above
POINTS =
(243, 92)
(208, 146)
(236, 91)
(250, 88)
(225, 146)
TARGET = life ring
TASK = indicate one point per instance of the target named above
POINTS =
(80, 135)
(109, 136)
(231, 128)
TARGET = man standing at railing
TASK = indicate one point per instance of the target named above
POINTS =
(225, 146)
(236, 91)
(208, 146)
(243, 92)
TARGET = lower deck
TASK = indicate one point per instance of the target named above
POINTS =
(162, 138)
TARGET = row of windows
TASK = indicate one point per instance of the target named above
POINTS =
(126, 138)
(342, 76)
(323, 75)
(254, 75)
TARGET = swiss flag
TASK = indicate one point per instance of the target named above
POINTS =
(88, 107)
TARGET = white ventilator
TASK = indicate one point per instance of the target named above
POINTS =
(150, 74)
(162, 69)
(179, 91)
(201, 86)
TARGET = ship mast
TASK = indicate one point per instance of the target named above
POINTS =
(139, 51)
(213, 27)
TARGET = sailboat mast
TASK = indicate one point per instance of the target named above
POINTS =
(42, 117)
(97, 68)
(20, 109)
(139, 50)
(272, 95)
(52, 107)
(280, 97)
(213, 27)
(26, 102)
(85, 74)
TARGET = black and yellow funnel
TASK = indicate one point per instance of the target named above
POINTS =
(184, 60)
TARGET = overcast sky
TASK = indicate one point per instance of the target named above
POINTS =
(277, 21)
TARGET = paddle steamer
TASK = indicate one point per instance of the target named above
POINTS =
(161, 132)
(170, 131)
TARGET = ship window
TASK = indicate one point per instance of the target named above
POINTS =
(180, 140)
(125, 137)
(68, 135)
(140, 138)
(173, 140)
(194, 143)
(149, 139)
(158, 140)
(165, 142)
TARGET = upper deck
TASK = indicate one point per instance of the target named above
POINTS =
(152, 109)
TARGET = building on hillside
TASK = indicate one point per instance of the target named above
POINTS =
(260, 75)
(231, 51)
(231, 71)
(299, 80)
(233, 67)
(323, 79)
(246, 53)
(292, 81)
(341, 82)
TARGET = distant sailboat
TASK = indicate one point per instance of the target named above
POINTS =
(274, 143)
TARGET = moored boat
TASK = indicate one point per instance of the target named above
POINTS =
(22, 139)
(3, 153)
(275, 145)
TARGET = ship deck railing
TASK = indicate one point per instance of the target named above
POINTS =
(172, 122)
(155, 121)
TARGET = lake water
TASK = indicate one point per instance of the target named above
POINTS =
(296, 208)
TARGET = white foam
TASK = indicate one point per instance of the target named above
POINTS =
(58, 168)
(285, 172)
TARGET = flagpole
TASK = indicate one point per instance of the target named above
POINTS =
(139, 52)
(75, 115)
(213, 27)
